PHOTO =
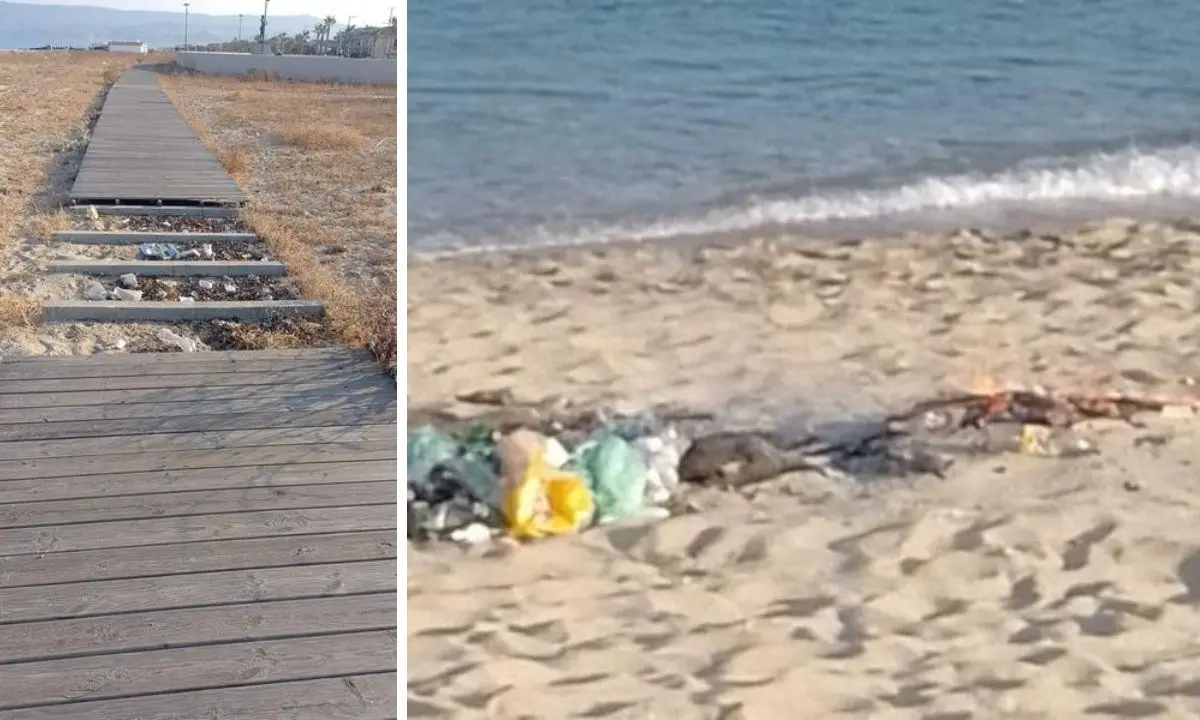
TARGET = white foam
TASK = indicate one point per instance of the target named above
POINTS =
(1125, 176)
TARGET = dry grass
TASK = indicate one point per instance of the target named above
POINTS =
(315, 136)
(44, 103)
(17, 311)
(43, 226)
(319, 164)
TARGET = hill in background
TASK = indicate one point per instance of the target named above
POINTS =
(25, 26)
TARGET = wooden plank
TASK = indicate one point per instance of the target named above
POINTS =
(194, 528)
(181, 423)
(321, 389)
(56, 311)
(95, 678)
(233, 457)
(138, 410)
(44, 513)
(163, 211)
(178, 559)
(142, 483)
(83, 599)
(136, 366)
(285, 376)
(185, 627)
(357, 697)
(216, 440)
(287, 355)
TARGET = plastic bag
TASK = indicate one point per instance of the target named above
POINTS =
(615, 474)
(428, 447)
(538, 499)
(662, 454)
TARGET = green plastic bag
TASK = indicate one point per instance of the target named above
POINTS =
(471, 457)
(615, 473)
(427, 448)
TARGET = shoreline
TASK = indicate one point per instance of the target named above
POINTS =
(1004, 219)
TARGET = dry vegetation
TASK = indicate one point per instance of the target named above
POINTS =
(45, 99)
(319, 164)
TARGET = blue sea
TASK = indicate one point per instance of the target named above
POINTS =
(550, 122)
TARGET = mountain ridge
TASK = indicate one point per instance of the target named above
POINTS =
(23, 25)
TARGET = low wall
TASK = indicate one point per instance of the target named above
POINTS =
(367, 71)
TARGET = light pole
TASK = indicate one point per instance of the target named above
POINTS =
(262, 30)
(240, 16)
(346, 34)
(185, 25)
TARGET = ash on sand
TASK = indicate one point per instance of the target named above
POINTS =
(246, 288)
(167, 224)
(749, 444)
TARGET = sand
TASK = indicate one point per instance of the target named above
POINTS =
(1017, 587)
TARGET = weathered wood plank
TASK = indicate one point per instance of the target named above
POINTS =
(282, 355)
(94, 678)
(142, 483)
(103, 597)
(195, 502)
(384, 404)
(194, 459)
(176, 559)
(358, 697)
(154, 381)
(18, 371)
(318, 388)
(125, 632)
(193, 528)
(179, 423)
(215, 440)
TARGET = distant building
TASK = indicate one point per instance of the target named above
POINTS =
(376, 42)
(136, 46)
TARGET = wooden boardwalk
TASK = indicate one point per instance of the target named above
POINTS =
(142, 151)
(198, 535)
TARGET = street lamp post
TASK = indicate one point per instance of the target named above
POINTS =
(185, 25)
(262, 30)
(346, 34)
(240, 16)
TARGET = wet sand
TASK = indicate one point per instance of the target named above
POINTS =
(1017, 587)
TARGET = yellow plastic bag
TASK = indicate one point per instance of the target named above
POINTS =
(538, 499)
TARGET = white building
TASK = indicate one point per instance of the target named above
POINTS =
(136, 46)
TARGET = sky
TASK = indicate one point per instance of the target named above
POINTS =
(365, 12)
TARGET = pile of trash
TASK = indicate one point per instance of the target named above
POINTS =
(474, 482)
(542, 469)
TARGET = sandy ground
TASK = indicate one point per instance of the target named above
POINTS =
(1018, 587)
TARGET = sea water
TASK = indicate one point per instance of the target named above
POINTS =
(548, 122)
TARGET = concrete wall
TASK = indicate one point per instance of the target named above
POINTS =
(368, 71)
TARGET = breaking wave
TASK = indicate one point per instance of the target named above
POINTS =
(1101, 180)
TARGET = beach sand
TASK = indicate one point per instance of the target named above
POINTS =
(1015, 587)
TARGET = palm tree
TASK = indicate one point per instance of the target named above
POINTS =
(327, 27)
